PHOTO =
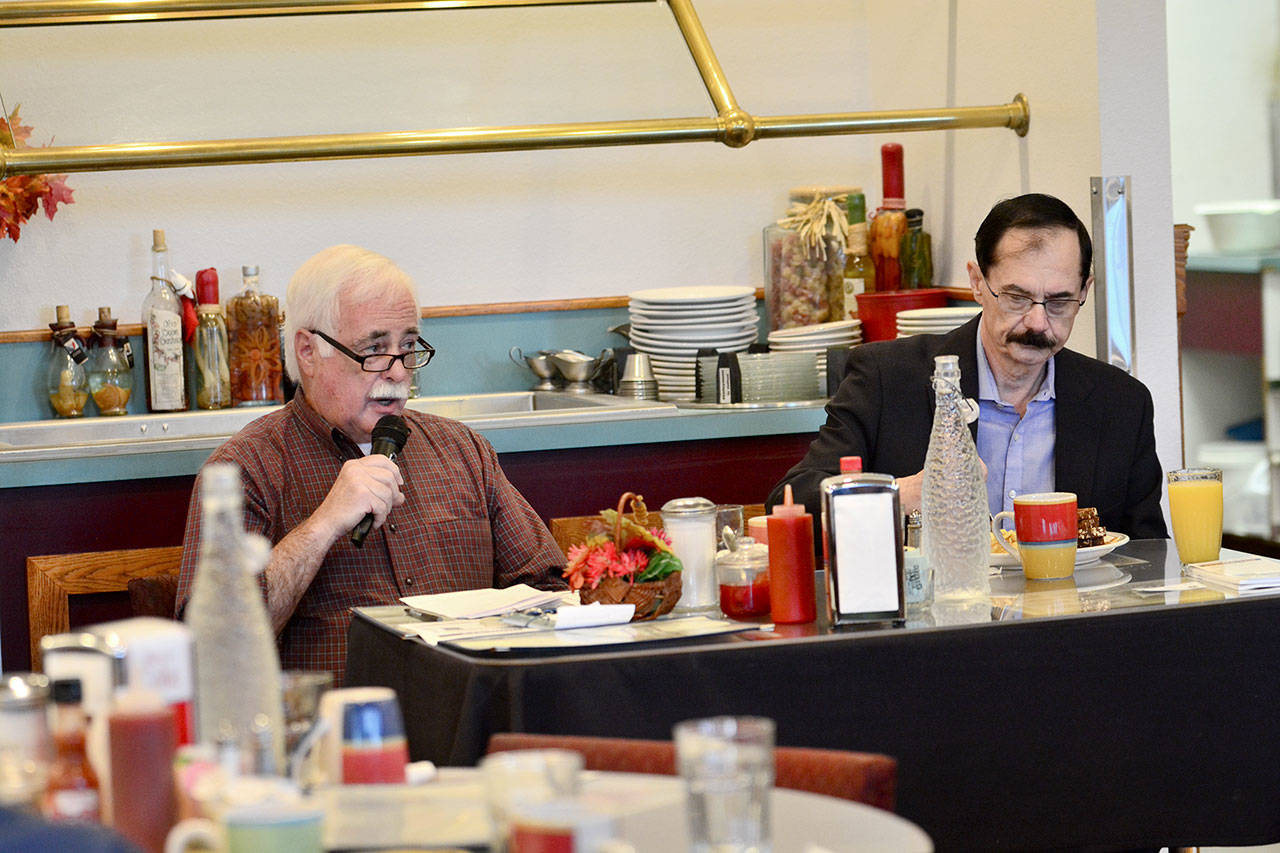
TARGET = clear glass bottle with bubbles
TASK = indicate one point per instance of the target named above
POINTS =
(954, 517)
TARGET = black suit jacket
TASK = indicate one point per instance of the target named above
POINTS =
(1104, 451)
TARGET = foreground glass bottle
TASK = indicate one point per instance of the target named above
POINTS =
(238, 696)
(954, 521)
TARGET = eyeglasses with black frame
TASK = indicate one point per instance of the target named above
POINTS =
(1016, 303)
(419, 356)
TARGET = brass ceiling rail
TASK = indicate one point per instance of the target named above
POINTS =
(47, 13)
(730, 126)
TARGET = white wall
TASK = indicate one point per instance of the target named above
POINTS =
(542, 225)
(1222, 77)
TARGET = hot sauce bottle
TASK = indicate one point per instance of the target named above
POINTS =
(791, 584)
(72, 792)
(890, 222)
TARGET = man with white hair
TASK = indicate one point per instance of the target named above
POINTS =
(445, 516)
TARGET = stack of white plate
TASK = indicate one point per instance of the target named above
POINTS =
(672, 323)
(934, 321)
(816, 339)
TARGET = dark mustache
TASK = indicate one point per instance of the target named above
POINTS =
(1032, 339)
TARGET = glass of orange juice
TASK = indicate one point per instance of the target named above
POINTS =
(1195, 504)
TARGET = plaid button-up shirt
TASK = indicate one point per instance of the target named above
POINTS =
(462, 525)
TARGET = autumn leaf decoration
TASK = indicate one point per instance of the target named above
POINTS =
(22, 195)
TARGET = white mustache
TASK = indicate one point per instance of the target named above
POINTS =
(386, 390)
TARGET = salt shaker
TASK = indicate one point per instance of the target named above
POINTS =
(691, 524)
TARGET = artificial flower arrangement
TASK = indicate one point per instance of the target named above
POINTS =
(21, 195)
(626, 562)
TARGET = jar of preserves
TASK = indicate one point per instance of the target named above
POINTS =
(253, 329)
(804, 257)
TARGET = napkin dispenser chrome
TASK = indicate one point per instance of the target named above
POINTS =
(862, 538)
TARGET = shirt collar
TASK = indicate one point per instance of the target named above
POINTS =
(328, 435)
(987, 389)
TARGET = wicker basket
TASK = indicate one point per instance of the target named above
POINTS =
(651, 598)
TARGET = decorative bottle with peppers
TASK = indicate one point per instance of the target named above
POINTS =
(859, 270)
(162, 328)
(916, 253)
(67, 380)
(213, 377)
(110, 368)
(890, 221)
(253, 326)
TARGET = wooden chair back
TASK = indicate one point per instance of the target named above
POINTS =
(574, 529)
(863, 777)
(53, 579)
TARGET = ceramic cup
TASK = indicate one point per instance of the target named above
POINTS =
(253, 815)
(516, 782)
(1046, 526)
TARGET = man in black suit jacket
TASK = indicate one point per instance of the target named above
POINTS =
(1031, 277)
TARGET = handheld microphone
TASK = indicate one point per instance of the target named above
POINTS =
(389, 436)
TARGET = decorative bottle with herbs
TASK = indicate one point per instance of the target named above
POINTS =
(804, 259)
(916, 252)
(890, 222)
(67, 380)
(253, 324)
(859, 270)
(162, 327)
(213, 374)
(110, 367)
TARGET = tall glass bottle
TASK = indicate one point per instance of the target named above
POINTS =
(916, 252)
(253, 324)
(890, 222)
(859, 269)
(954, 518)
(162, 327)
(110, 373)
(238, 694)
(209, 347)
(65, 378)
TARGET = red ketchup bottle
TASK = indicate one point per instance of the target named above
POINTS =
(791, 588)
(142, 739)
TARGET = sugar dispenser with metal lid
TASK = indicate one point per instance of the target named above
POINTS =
(66, 379)
(691, 524)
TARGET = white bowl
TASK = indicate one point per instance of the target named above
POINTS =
(1243, 226)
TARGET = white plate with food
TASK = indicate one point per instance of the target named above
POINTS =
(1001, 558)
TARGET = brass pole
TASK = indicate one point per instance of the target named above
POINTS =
(703, 56)
(38, 13)
(144, 155)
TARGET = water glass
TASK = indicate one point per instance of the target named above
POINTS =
(728, 515)
(727, 766)
(518, 780)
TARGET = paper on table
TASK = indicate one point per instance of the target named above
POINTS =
(1251, 574)
(478, 603)
(592, 615)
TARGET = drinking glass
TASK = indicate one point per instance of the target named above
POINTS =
(727, 765)
(1195, 505)
(728, 515)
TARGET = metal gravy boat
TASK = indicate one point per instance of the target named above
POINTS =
(540, 364)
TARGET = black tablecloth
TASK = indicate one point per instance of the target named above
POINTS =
(1137, 727)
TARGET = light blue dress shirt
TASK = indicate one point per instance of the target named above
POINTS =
(1018, 450)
